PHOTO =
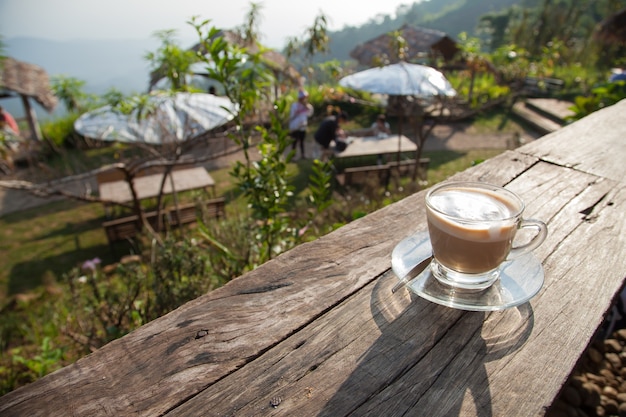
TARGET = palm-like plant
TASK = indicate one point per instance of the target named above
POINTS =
(172, 60)
(70, 92)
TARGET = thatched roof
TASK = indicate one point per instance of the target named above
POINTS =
(273, 59)
(613, 28)
(27, 80)
(420, 41)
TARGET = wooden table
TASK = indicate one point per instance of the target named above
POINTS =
(317, 331)
(148, 186)
(373, 145)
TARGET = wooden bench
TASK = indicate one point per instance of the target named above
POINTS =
(360, 175)
(189, 213)
(382, 173)
(542, 87)
(407, 165)
(128, 227)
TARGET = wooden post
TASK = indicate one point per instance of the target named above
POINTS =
(31, 117)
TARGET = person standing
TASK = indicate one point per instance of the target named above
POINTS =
(328, 131)
(7, 121)
(299, 115)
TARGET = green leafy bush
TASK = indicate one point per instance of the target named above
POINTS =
(602, 96)
(60, 131)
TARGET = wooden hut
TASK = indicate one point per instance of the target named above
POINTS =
(27, 81)
(421, 42)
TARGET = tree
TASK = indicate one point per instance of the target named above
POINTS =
(173, 61)
(495, 26)
(249, 30)
(70, 91)
(314, 41)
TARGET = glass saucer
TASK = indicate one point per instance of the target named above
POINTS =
(520, 279)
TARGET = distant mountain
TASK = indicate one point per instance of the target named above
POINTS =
(120, 63)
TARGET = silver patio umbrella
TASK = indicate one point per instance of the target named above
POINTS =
(401, 81)
(170, 118)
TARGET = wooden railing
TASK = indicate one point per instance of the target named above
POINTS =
(318, 332)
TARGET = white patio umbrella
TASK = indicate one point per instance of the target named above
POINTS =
(402, 80)
(173, 118)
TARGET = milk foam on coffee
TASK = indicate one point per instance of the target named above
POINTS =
(474, 214)
(471, 229)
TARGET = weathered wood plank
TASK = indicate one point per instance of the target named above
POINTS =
(417, 356)
(296, 287)
(319, 327)
(589, 145)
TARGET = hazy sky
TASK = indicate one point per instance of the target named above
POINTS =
(139, 19)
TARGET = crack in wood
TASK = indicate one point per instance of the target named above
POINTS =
(589, 214)
(265, 288)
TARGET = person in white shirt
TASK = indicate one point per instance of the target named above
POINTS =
(299, 114)
(381, 127)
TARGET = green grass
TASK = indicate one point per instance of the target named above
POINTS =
(39, 245)
(42, 243)
(444, 164)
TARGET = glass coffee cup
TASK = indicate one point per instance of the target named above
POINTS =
(472, 226)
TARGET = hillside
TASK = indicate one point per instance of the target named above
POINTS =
(120, 64)
(450, 16)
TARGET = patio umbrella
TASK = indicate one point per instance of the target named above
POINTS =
(401, 81)
(173, 118)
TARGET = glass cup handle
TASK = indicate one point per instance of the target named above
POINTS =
(542, 233)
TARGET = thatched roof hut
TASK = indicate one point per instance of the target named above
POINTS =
(613, 29)
(28, 81)
(420, 42)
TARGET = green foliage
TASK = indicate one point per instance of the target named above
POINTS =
(320, 185)
(249, 30)
(483, 89)
(314, 41)
(227, 262)
(60, 131)
(265, 184)
(246, 81)
(555, 33)
(70, 91)
(328, 72)
(103, 307)
(513, 63)
(181, 273)
(171, 61)
(113, 97)
(320, 192)
(45, 361)
(602, 96)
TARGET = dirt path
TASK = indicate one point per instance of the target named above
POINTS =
(451, 137)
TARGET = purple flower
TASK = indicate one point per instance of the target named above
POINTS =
(91, 264)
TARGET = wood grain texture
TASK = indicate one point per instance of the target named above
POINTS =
(426, 357)
(590, 145)
(317, 331)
